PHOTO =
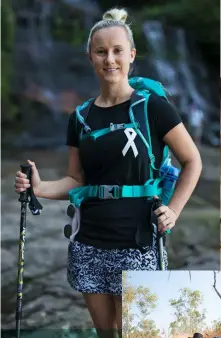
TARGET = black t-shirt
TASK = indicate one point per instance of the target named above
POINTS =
(113, 223)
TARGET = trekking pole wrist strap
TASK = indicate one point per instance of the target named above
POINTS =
(34, 205)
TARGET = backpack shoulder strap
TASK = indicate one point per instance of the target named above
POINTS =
(139, 104)
(141, 116)
(82, 114)
(138, 114)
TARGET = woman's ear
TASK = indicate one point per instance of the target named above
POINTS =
(133, 55)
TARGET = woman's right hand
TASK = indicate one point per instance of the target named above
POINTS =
(22, 183)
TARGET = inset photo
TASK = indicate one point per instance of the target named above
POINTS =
(171, 304)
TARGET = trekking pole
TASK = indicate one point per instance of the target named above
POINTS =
(26, 169)
(35, 207)
(160, 244)
(160, 237)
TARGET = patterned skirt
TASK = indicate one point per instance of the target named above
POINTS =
(94, 270)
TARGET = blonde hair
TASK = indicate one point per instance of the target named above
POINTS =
(112, 18)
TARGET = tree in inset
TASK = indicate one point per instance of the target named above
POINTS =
(128, 297)
(188, 316)
(145, 302)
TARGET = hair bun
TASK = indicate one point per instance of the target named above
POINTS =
(116, 14)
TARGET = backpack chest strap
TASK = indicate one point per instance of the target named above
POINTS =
(101, 132)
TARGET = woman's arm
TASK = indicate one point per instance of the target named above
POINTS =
(58, 190)
(187, 154)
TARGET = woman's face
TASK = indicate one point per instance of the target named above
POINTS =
(111, 54)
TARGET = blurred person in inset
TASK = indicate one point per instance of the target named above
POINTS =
(196, 118)
(106, 243)
(197, 335)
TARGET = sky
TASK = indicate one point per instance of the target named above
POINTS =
(167, 288)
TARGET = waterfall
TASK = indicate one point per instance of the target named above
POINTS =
(172, 62)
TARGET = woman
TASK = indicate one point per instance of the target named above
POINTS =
(105, 244)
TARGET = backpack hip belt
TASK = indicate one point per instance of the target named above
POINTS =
(79, 195)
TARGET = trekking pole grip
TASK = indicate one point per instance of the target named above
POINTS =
(25, 169)
(158, 204)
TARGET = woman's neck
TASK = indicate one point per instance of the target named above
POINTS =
(112, 94)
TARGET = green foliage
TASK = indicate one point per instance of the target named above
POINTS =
(216, 325)
(200, 16)
(145, 302)
(7, 26)
(9, 110)
(147, 329)
(141, 44)
(188, 316)
(129, 295)
(68, 26)
(125, 278)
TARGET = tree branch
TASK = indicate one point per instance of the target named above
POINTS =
(214, 285)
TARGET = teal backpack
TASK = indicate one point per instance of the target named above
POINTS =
(138, 114)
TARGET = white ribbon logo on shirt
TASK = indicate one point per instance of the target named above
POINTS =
(131, 134)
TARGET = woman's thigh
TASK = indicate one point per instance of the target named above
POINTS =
(102, 310)
(118, 309)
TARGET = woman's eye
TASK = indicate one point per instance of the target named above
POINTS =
(118, 50)
(100, 52)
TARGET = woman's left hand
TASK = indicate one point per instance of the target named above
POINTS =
(167, 218)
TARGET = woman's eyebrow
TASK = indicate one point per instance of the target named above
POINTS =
(105, 47)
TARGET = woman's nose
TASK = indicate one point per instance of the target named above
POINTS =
(110, 58)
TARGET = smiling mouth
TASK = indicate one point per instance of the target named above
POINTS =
(109, 70)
